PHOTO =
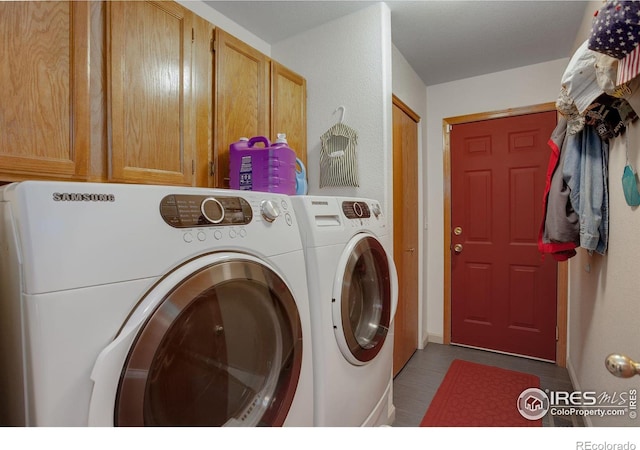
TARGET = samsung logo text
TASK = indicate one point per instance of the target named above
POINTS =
(72, 197)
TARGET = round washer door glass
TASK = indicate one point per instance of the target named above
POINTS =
(222, 348)
(362, 310)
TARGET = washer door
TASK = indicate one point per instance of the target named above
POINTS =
(217, 342)
(362, 299)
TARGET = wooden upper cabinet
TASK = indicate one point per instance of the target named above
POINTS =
(131, 91)
(150, 105)
(289, 108)
(242, 98)
(44, 118)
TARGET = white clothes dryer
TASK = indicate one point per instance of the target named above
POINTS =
(133, 305)
(353, 292)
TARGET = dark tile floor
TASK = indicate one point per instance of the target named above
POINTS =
(415, 386)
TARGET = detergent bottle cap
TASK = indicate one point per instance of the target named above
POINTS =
(282, 138)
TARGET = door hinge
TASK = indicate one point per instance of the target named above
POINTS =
(449, 128)
(193, 35)
(557, 334)
(212, 168)
(213, 45)
(193, 166)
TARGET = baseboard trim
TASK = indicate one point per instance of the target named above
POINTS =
(435, 338)
(576, 387)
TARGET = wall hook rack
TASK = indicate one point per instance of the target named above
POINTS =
(340, 108)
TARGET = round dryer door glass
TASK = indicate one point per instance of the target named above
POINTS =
(363, 307)
(224, 348)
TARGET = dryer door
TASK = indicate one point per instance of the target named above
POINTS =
(216, 342)
(362, 299)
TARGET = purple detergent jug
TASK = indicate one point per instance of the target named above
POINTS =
(240, 176)
(267, 168)
(282, 162)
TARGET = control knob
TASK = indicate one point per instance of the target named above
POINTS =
(212, 210)
(357, 209)
(269, 210)
(376, 210)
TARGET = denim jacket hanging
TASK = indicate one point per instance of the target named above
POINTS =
(585, 172)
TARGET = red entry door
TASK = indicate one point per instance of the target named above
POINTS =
(503, 293)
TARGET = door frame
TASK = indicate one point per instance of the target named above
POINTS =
(563, 268)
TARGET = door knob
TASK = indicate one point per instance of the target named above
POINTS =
(457, 248)
(622, 366)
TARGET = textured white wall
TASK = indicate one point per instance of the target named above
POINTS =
(604, 305)
(525, 86)
(604, 291)
(348, 62)
(409, 88)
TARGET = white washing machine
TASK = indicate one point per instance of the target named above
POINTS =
(134, 305)
(353, 294)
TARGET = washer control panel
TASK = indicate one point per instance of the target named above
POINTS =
(356, 210)
(188, 211)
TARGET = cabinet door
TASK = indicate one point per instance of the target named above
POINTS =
(242, 96)
(151, 132)
(44, 118)
(289, 108)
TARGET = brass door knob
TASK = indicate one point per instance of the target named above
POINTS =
(457, 248)
(622, 366)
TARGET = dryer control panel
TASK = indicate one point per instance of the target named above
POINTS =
(188, 211)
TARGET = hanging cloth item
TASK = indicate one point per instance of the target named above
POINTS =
(338, 161)
(629, 180)
(559, 231)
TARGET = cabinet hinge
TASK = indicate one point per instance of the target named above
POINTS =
(557, 335)
(213, 45)
(193, 35)
(212, 168)
(193, 166)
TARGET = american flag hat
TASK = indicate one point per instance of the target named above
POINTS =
(629, 67)
(616, 28)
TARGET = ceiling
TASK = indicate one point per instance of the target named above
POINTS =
(442, 40)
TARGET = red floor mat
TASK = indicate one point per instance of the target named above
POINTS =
(475, 395)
